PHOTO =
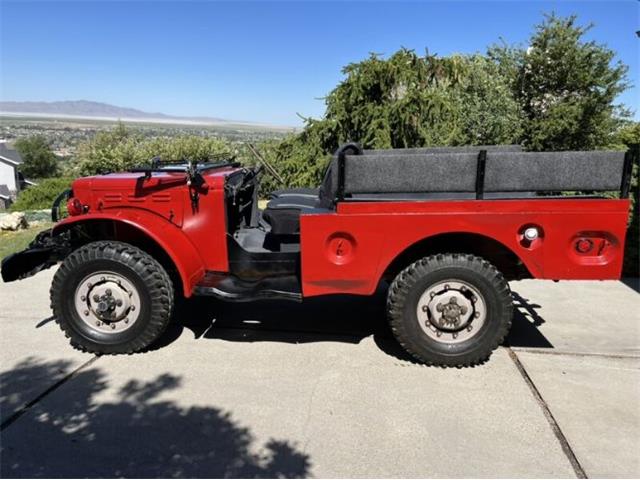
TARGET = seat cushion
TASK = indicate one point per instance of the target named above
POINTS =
(283, 214)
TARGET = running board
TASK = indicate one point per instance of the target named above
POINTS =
(232, 289)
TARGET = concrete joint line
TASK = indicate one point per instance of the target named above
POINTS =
(574, 354)
(25, 408)
(564, 443)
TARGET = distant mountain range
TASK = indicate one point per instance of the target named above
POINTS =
(97, 110)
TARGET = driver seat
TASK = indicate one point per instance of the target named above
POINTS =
(285, 207)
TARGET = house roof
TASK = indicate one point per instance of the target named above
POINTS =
(4, 192)
(9, 155)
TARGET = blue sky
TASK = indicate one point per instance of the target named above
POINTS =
(263, 61)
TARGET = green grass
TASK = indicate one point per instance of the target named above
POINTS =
(11, 242)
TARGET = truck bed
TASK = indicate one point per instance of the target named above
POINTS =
(349, 250)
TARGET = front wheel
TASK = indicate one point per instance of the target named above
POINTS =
(111, 297)
(450, 310)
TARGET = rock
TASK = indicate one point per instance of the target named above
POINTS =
(14, 221)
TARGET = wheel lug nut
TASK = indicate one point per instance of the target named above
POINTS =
(446, 287)
(133, 307)
(96, 298)
(108, 291)
(86, 312)
(424, 308)
(98, 324)
(477, 314)
(113, 326)
(119, 303)
(126, 320)
(432, 294)
(83, 298)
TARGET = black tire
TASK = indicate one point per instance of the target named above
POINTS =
(410, 284)
(153, 288)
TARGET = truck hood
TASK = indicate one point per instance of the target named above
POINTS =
(128, 181)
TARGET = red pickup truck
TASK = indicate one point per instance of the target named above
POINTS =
(445, 227)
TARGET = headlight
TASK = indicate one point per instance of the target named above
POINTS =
(74, 207)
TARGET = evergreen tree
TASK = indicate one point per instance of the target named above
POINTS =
(566, 86)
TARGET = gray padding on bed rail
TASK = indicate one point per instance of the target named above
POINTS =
(549, 171)
(462, 149)
(442, 172)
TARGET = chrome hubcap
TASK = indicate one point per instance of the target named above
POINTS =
(107, 302)
(451, 311)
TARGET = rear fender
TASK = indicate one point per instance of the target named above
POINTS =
(170, 238)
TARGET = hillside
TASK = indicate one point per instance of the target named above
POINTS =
(88, 109)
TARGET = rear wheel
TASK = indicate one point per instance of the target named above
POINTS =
(111, 297)
(450, 309)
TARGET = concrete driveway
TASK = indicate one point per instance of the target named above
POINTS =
(321, 390)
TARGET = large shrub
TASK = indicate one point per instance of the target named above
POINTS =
(41, 196)
(38, 160)
(409, 100)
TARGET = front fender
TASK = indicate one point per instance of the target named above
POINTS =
(169, 237)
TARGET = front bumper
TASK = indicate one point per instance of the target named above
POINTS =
(43, 252)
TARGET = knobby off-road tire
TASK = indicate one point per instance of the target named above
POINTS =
(425, 307)
(111, 297)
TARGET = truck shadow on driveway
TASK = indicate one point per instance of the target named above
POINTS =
(339, 318)
(526, 320)
(77, 431)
